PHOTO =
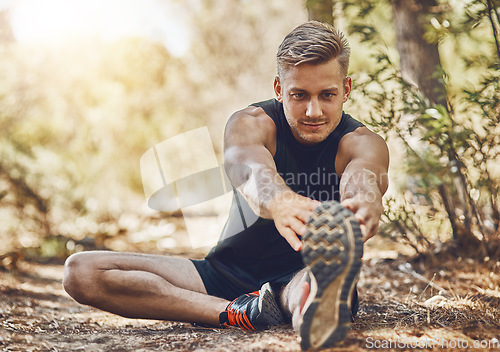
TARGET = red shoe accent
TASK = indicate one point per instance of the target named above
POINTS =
(306, 289)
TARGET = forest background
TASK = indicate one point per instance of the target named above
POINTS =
(78, 112)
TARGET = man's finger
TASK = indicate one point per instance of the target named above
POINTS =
(314, 204)
(298, 227)
(364, 231)
(291, 237)
(304, 215)
(349, 204)
(360, 218)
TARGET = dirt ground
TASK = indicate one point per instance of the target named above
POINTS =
(406, 303)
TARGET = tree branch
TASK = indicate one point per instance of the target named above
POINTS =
(493, 26)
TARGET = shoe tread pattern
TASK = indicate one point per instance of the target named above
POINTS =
(326, 248)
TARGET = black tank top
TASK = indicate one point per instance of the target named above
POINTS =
(250, 251)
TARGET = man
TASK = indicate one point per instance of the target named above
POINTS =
(291, 158)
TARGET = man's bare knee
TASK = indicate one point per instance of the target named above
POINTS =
(79, 270)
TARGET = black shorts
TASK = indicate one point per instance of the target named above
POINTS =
(219, 285)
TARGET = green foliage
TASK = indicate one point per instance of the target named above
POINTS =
(451, 161)
(70, 128)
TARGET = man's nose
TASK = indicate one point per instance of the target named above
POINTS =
(313, 108)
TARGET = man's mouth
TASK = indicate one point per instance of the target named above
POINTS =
(313, 125)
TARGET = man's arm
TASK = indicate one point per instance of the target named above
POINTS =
(249, 145)
(363, 162)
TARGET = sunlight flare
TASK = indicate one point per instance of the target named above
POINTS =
(55, 21)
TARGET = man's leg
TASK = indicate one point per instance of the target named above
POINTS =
(141, 286)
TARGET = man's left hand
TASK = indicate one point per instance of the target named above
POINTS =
(367, 208)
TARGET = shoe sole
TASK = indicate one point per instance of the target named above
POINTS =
(332, 250)
(270, 313)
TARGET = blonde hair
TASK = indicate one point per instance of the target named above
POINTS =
(314, 43)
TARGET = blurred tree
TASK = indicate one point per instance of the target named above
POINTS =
(420, 62)
(73, 128)
(421, 67)
(494, 17)
(320, 10)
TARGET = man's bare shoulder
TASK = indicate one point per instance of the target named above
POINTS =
(362, 134)
(362, 144)
(253, 125)
(252, 115)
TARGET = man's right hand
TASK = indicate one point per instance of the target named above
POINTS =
(290, 211)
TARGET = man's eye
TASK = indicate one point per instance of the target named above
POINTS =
(298, 95)
(328, 95)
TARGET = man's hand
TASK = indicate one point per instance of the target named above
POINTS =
(290, 212)
(367, 208)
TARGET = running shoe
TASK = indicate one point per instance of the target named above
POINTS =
(253, 311)
(332, 250)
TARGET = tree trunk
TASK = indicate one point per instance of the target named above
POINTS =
(420, 63)
(320, 10)
(421, 67)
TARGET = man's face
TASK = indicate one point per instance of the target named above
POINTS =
(312, 97)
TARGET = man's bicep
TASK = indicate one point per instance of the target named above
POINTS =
(360, 167)
(364, 150)
(370, 152)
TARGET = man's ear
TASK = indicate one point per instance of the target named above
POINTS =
(277, 89)
(347, 88)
